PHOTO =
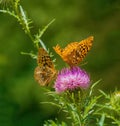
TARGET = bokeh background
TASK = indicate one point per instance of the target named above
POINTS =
(20, 95)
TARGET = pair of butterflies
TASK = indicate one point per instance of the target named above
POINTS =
(72, 54)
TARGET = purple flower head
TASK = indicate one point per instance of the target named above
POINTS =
(71, 78)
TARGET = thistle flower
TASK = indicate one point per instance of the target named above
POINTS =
(71, 78)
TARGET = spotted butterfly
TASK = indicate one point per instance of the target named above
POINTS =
(75, 52)
(45, 71)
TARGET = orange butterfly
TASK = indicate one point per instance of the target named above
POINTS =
(75, 52)
(45, 71)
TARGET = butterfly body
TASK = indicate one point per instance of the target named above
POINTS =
(75, 52)
(45, 71)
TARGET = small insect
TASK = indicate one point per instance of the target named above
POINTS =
(75, 52)
(45, 71)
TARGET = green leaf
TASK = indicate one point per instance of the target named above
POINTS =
(93, 85)
(101, 122)
(29, 54)
(103, 93)
(39, 35)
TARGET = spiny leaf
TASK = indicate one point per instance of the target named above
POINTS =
(45, 28)
(104, 94)
(39, 35)
(30, 54)
(12, 13)
(93, 85)
(26, 21)
(101, 122)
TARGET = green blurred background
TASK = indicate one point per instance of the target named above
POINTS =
(20, 95)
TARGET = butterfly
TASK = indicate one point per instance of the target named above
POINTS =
(45, 71)
(75, 52)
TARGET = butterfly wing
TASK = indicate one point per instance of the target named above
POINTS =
(81, 51)
(44, 76)
(58, 50)
(75, 52)
(44, 59)
(68, 54)
(45, 71)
